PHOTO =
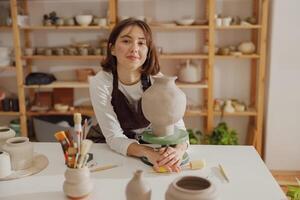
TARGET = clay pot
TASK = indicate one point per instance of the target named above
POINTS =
(189, 73)
(137, 188)
(5, 134)
(246, 47)
(77, 183)
(191, 188)
(20, 151)
(163, 104)
(228, 107)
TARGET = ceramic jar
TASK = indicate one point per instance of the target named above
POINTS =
(137, 188)
(229, 107)
(191, 188)
(5, 133)
(246, 47)
(5, 167)
(189, 73)
(20, 151)
(77, 182)
(163, 104)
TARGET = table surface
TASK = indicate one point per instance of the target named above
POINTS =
(248, 175)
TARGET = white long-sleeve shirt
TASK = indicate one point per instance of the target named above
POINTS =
(101, 86)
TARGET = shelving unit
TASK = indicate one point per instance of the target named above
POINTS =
(258, 60)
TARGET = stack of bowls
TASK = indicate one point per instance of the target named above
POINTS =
(5, 56)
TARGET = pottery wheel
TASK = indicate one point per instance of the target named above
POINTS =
(39, 163)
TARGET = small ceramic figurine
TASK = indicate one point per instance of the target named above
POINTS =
(137, 188)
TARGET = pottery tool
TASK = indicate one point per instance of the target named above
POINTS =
(85, 125)
(78, 128)
(70, 138)
(84, 149)
(223, 172)
(102, 168)
(85, 160)
(192, 165)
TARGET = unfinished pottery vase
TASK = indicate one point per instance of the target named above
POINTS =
(137, 188)
(5, 133)
(163, 104)
(20, 151)
(77, 183)
(191, 188)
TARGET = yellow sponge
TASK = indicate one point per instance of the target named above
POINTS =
(195, 164)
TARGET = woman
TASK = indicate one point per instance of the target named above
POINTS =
(116, 94)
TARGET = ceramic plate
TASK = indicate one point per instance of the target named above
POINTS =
(40, 162)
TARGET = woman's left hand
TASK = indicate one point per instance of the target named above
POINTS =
(171, 158)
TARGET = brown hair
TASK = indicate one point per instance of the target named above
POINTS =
(151, 64)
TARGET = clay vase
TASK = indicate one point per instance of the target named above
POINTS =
(228, 107)
(77, 184)
(191, 188)
(246, 47)
(163, 104)
(137, 188)
(5, 133)
(20, 151)
(189, 73)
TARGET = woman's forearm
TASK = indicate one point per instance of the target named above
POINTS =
(138, 150)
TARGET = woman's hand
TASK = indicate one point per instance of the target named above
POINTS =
(171, 157)
(153, 157)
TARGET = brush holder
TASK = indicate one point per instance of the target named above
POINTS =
(77, 183)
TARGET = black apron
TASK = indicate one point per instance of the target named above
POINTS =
(128, 116)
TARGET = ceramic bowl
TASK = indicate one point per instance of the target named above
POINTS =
(185, 22)
(84, 20)
(61, 107)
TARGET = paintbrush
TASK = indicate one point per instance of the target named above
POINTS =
(84, 149)
(78, 128)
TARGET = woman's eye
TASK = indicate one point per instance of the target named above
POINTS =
(125, 41)
(142, 43)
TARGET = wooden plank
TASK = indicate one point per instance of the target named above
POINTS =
(177, 27)
(210, 70)
(244, 56)
(61, 84)
(195, 113)
(199, 85)
(38, 57)
(62, 28)
(112, 13)
(19, 72)
(238, 27)
(2, 113)
(261, 77)
(248, 112)
(183, 56)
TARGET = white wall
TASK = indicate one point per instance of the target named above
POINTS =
(282, 147)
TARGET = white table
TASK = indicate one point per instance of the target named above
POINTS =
(249, 177)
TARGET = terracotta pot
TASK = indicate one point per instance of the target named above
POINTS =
(5, 134)
(137, 188)
(163, 104)
(77, 182)
(191, 188)
(20, 151)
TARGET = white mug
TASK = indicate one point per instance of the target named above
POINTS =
(5, 166)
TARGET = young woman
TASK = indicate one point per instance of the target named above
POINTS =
(116, 94)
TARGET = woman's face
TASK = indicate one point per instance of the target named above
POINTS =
(130, 48)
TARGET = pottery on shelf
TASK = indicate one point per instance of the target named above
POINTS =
(189, 73)
(20, 151)
(77, 183)
(229, 107)
(137, 188)
(246, 47)
(6, 133)
(163, 104)
(191, 188)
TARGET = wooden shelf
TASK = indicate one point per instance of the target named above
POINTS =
(5, 28)
(41, 28)
(248, 112)
(89, 57)
(256, 56)
(83, 110)
(8, 69)
(61, 84)
(200, 85)
(2, 113)
(195, 113)
(177, 27)
(183, 56)
(239, 27)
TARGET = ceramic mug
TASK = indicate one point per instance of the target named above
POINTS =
(5, 167)
(20, 151)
